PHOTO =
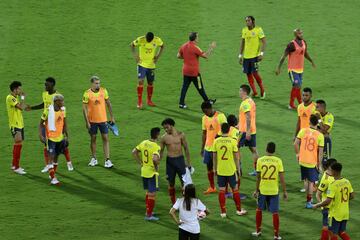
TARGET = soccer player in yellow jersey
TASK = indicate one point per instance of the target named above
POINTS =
(309, 146)
(146, 59)
(147, 154)
(47, 97)
(247, 123)
(252, 49)
(270, 169)
(53, 121)
(338, 194)
(326, 123)
(15, 106)
(95, 101)
(227, 167)
(321, 195)
(211, 126)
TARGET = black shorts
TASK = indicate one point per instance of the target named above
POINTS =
(101, 126)
(175, 166)
(15, 130)
(250, 65)
(56, 148)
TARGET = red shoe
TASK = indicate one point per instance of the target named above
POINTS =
(150, 103)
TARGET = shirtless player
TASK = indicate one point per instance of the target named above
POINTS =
(175, 142)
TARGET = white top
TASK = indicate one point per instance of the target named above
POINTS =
(189, 218)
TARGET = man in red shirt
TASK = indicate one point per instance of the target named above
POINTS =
(190, 53)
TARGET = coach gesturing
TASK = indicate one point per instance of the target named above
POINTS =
(190, 54)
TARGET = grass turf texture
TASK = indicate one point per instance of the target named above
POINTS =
(71, 40)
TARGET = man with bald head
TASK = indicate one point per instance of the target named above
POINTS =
(296, 50)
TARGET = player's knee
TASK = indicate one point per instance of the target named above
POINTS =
(141, 81)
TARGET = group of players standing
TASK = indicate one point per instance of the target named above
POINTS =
(222, 137)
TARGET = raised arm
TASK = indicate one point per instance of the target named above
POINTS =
(211, 48)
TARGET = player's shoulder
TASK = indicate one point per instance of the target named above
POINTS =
(10, 97)
(140, 39)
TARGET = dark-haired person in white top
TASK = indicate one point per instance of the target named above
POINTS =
(191, 209)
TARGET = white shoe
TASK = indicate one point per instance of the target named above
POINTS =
(108, 164)
(277, 238)
(93, 162)
(45, 169)
(54, 181)
(256, 234)
(20, 171)
(70, 166)
(223, 215)
(241, 213)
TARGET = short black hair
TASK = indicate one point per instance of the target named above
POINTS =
(51, 80)
(314, 119)
(232, 120)
(322, 102)
(14, 85)
(206, 105)
(168, 121)
(329, 162)
(246, 88)
(149, 36)
(271, 147)
(307, 89)
(192, 36)
(154, 132)
(225, 128)
(251, 17)
(94, 78)
(337, 167)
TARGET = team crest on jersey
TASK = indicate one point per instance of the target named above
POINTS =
(211, 127)
(304, 115)
(97, 102)
(59, 119)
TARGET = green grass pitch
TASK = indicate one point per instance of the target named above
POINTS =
(71, 40)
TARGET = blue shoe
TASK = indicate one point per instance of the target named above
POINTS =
(253, 173)
(228, 195)
(151, 218)
(309, 205)
(113, 128)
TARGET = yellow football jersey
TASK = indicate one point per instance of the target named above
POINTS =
(252, 41)
(269, 168)
(148, 149)
(339, 191)
(14, 114)
(328, 119)
(147, 50)
(324, 185)
(225, 148)
(48, 99)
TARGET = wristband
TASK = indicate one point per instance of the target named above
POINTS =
(261, 53)
(240, 56)
(22, 97)
(319, 121)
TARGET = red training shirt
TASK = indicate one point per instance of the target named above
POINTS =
(190, 53)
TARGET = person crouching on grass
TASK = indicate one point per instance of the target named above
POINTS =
(191, 209)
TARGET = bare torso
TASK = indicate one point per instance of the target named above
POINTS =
(173, 144)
